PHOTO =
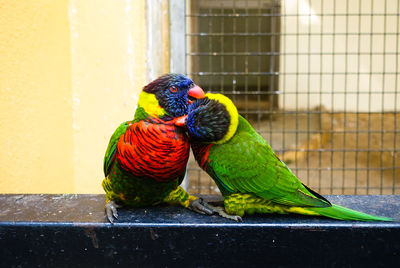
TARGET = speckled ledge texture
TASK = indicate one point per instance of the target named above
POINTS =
(72, 231)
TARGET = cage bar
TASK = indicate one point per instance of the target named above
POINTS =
(317, 79)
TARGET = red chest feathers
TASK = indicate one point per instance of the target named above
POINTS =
(153, 150)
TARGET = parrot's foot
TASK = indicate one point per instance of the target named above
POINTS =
(223, 214)
(199, 206)
(111, 210)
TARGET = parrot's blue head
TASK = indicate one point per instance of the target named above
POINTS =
(208, 120)
(173, 91)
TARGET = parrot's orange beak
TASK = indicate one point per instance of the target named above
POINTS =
(196, 92)
(181, 121)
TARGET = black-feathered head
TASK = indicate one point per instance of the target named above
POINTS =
(208, 120)
(172, 92)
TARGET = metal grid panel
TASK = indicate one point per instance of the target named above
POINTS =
(317, 79)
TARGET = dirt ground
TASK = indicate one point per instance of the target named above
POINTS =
(340, 153)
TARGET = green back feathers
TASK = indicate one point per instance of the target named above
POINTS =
(112, 146)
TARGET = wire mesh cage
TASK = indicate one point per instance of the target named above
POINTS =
(317, 79)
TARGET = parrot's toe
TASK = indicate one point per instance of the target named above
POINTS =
(200, 206)
(222, 213)
(111, 211)
(225, 215)
(235, 218)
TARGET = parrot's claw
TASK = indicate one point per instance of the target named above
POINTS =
(222, 213)
(199, 206)
(111, 211)
(232, 217)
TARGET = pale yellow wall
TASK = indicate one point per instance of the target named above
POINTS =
(70, 72)
(108, 72)
(35, 104)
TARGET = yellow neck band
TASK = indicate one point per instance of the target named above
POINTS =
(233, 113)
(150, 104)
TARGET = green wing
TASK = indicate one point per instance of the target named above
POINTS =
(112, 146)
(247, 164)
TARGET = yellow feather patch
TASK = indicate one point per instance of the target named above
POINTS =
(231, 108)
(150, 104)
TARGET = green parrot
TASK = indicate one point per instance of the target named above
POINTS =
(250, 176)
(146, 157)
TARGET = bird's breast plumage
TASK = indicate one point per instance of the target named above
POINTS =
(201, 153)
(155, 150)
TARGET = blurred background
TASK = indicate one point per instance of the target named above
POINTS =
(318, 79)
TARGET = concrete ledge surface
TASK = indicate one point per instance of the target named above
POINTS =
(72, 231)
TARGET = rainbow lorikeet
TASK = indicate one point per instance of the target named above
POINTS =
(250, 176)
(146, 158)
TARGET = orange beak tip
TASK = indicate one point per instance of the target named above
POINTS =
(181, 121)
(196, 92)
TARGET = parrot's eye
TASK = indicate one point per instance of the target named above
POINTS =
(173, 89)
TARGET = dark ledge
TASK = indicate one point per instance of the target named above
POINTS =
(71, 231)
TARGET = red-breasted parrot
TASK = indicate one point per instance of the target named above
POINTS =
(250, 176)
(146, 158)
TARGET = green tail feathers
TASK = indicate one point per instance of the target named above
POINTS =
(342, 213)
